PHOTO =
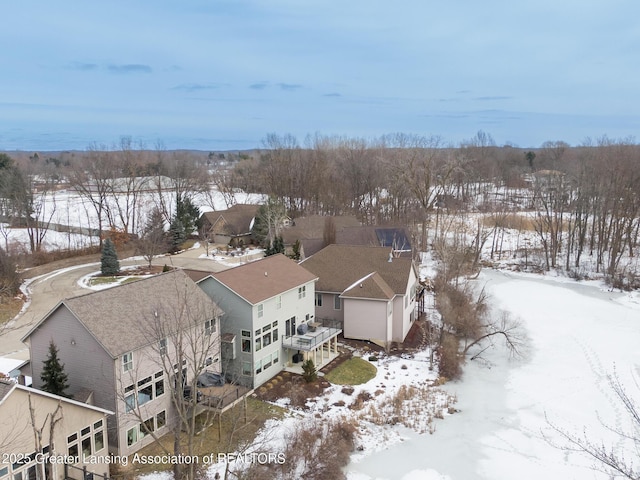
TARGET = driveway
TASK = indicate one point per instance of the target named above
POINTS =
(47, 290)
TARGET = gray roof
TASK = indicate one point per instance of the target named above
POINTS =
(122, 318)
(6, 386)
(340, 266)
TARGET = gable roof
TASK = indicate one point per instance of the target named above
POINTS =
(312, 227)
(371, 286)
(237, 220)
(265, 278)
(121, 318)
(340, 266)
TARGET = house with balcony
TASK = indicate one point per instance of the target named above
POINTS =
(79, 433)
(368, 290)
(133, 349)
(269, 322)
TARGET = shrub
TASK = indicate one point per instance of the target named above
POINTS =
(449, 358)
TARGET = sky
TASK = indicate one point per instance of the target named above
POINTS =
(223, 74)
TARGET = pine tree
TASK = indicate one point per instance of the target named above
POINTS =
(54, 380)
(309, 372)
(177, 234)
(109, 260)
(296, 253)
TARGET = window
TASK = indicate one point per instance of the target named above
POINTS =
(258, 366)
(132, 436)
(258, 344)
(72, 438)
(279, 302)
(337, 302)
(130, 402)
(73, 450)
(4, 472)
(210, 326)
(266, 340)
(86, 447)
(98, 441)
(145, 391)
(275, 358)
(302, 292)
(266, 362)
(246, 368)
(127, 362)
(97, 425)
(146, 427)
(290, 327)
(260, 310)
(406, 301)
(159, 387)
(85, 431)
(162, 346)
(266, 328)
(161, 419)
(275, 331)
(17, 476)
(318, 299)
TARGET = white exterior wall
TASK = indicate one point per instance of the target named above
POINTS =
(401, 313)
(241, 315)
(368, 320)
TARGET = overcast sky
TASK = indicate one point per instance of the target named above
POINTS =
(215, 74)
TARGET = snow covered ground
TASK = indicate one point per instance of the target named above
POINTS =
(578, 333)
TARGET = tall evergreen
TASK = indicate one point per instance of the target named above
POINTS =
(109, 260)
(177, 235)
(54, 379)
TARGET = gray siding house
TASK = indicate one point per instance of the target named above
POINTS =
(367, 289)
(125, 345)
(269, 319)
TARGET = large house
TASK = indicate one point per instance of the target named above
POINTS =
(269, 319)
(127, 346)
(368, 289)
(231, 226)
(78, 434)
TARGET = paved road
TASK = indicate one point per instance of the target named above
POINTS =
(47, 290)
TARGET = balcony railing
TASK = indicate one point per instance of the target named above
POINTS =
(311, 339)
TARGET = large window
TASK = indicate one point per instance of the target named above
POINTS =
(302, 292)
(337, 302)
(246, 368)
(148, 388)
(275, 331)
(132, 436)
(145, 390)
(210, 326)
(318, 299)
(246, 341)
(127, 361)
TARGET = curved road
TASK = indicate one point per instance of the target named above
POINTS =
(47, 290)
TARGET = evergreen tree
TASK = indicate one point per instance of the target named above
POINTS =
(109, 264)
(54, 380)
(309, 372)
(153, 240)
(276, 247)
(177, 235)
(296, 253)
(187, 213)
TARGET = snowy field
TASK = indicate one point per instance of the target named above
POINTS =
(578, 332)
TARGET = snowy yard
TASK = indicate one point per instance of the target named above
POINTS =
(577, 332)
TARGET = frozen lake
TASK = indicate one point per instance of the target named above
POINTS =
(578, 333)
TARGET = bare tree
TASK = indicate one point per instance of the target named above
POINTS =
(617, 459)
(51, 420)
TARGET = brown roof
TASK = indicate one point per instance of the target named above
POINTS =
(237, 220)
(371, 286)
(196, 275)
(121, 318)
(340, 266)
(313, 227)
(265, 278)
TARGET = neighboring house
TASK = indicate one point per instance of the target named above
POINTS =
(122, 345)
(269, 319)
(313, 234)
(230, 226)
(79, 433)
(367, 289)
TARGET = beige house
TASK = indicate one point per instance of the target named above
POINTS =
(369, 290)
(229, 226)
(79, 434)
(126, 346)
